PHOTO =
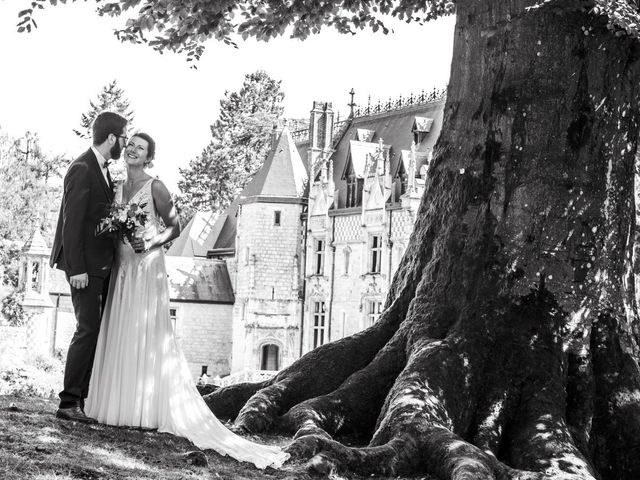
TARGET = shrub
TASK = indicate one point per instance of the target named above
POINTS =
(25, 374)
(12, 308)
(9, 256)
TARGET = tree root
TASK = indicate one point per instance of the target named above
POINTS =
(226, 402)
(318, 372)
(435, 450)
(344, 408)
(425, 421)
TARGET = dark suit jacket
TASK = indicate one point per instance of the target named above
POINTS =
(87, 196)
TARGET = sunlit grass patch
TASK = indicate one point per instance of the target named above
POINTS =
(35, 445)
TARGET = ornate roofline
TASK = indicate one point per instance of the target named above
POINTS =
(302, 135)
(400, 103)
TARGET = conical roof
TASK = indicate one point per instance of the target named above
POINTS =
(283, 173)
(36, 246)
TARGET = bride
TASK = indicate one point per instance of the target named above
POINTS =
(140, 377)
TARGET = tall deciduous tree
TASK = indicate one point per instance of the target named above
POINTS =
(113, 99)
(26, 195)
(509, 343)
(239, 144)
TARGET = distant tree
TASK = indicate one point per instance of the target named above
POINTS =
(111, 98)
(240, 141)
(27, 148)
(27, 194)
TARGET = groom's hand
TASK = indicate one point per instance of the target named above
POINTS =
(79, 281)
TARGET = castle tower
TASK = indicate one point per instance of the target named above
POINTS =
(268, 248)
(37, 305)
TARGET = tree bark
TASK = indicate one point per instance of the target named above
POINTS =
(510, 341)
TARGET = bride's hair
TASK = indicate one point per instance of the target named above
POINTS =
(151, 148)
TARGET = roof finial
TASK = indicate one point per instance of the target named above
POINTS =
(351, 104)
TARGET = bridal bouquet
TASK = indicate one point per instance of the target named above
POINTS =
(125, 219)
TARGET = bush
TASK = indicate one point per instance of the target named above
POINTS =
(12, 308)
(9, 259)
(25, 374)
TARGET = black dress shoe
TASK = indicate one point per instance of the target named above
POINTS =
(74, 414)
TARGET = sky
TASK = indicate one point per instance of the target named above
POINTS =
(50, 75)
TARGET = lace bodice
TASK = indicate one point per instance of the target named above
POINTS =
(144, 196)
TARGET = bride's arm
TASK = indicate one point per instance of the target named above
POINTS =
(166, 209)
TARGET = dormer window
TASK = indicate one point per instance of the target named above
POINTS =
(364, 135)
(421, 126)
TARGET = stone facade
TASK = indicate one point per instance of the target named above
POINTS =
(268, 285)
(358, 293)
(362, 208)
(204, 334)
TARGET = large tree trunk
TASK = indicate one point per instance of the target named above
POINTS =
(509, 346)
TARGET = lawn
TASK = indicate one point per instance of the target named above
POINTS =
(34, 444)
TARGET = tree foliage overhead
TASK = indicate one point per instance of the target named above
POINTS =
(180, 26)
(239, 144)
(113, 99)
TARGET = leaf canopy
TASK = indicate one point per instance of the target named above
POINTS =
(186, 25)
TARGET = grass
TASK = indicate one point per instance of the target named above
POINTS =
(34, 444)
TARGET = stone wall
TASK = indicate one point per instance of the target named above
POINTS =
(348, 293)
(268, 282)
(266, 253)
(203, 331)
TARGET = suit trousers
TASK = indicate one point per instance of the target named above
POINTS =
(88, 304)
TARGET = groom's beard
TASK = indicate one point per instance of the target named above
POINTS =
(116, 150)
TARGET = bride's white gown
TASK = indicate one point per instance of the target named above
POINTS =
(140, 377)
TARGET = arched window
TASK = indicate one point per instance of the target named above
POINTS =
(269, 357)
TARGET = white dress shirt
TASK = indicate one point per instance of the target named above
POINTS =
(101, 162)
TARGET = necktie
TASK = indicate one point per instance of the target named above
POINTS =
(106, 167)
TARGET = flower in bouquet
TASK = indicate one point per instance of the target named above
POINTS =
(123, 219)
(117, 171)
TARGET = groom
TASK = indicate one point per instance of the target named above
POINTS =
(85, 257)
